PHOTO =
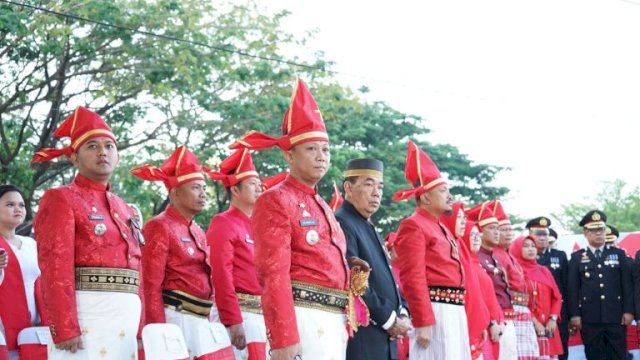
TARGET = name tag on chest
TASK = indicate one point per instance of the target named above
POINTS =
(96, 217)
(185, 239)
(308, 222)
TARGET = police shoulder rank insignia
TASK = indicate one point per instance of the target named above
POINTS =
(585, 257)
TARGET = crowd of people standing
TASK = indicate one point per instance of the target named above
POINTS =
(280, 275)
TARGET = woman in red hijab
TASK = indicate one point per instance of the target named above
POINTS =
(545, 300)
(480, 318)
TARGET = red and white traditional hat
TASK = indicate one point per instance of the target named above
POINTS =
(274, 180)
(302, 123)
(234, 169)
(421, 172)
(482, 214)
(180, 168)
(500, 214)
(81, 126)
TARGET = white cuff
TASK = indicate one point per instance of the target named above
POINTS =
(391, 321)
(404, 312)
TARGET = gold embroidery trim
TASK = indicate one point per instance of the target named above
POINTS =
(319, 297)
(250, 303)
(183, 302)
(89, 133)
(311, 134)
(107, 279)
(362, 172)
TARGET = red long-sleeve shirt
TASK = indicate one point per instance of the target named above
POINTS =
(297, 238)
(428, 256)
(65, 229)
(233, 270)
(175, 257)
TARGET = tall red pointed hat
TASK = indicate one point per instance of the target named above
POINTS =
(482, 214)
(421, 172)
(180, 168)
(234, 169)
(500, 214)
(302, 123)
(81, 126)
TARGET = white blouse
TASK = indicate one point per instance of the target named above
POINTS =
(27, 257)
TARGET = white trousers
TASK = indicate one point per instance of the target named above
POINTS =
(202, 337)
(323, 334)
(109, 323)
(449, 335)
(254, 330)
(508, 342)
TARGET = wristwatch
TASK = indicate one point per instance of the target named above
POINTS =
(553, 317)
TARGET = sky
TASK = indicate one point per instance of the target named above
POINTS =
(548, 88)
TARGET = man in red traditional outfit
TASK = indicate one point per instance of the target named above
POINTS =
(237, 290)
(88, 249)
(175, 261)
(300, 248)
(431, 271)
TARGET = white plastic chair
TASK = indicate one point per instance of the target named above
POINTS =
(33, 342)
(164, 342)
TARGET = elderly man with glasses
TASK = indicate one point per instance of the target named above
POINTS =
(600, 292)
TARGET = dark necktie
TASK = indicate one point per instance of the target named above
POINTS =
(598, 254)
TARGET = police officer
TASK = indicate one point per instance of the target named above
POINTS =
(600, 292)
(363, 191)
(556, 261)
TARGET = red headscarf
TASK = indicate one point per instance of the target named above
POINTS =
(532, 270)
(478, 314)
(449, 220)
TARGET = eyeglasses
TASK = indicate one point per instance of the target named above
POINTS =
(596, 230)
(475, 235)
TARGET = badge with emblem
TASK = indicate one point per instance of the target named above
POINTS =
(305, 213)
(312, 237)
(100, 229)
(190, 251)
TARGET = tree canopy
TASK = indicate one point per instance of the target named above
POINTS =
(621, 204)
(209, 74)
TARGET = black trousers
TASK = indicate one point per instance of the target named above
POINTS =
(604, 341)
(563, 327)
